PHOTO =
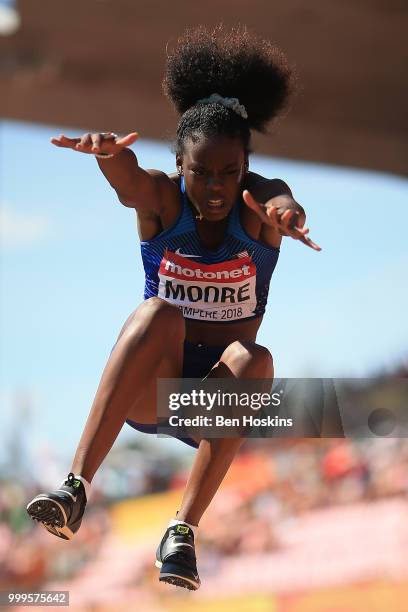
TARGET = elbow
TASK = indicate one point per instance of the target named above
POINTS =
(125, 201)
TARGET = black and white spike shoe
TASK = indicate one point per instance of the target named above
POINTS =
(61, 511)
(176, 558)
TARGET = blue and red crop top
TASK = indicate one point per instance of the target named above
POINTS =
(230, 283)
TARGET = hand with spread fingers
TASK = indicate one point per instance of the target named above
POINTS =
(284, 214)
(102, 144)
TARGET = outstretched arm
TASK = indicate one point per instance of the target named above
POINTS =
(281, 212)
(135, 187)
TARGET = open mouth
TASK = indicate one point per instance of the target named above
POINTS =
(215, 203)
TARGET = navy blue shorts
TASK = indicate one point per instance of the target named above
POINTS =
(198, 361)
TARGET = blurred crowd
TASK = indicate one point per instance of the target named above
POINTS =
(307, 475)
(270, 483)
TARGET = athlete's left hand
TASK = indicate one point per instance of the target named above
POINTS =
(284, 214)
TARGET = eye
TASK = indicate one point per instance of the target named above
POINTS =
(232, 171)
(198, 171)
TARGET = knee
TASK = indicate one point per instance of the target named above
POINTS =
(248, 358)
(155, 315)
(163, 310)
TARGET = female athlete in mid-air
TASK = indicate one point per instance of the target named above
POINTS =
(213, 219)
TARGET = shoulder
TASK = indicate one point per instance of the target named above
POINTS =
(165, 185)
(167, 193)
(265, 188)
(161, 194)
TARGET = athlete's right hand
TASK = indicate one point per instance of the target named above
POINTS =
(103, 143)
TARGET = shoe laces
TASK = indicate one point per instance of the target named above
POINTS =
(70, 480)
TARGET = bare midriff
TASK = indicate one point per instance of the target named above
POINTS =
(219, 334)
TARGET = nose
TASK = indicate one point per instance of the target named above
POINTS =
(215, 183)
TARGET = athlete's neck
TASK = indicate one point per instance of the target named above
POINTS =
(211, 234)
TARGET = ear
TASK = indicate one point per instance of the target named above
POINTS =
(179, 164)
(244, 170)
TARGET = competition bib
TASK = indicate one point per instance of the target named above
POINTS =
(210, 292)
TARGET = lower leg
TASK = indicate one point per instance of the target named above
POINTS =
(212, 462)
(214, 456)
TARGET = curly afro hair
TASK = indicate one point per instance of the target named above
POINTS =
(232, 63)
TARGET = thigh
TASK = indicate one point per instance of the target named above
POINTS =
(197, 362)
(144, 409)
(154, 332)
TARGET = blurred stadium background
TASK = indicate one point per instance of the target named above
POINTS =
(299, 525)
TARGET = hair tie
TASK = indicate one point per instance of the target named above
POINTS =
(232, 103)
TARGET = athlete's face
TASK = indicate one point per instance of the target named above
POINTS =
(213, 170)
